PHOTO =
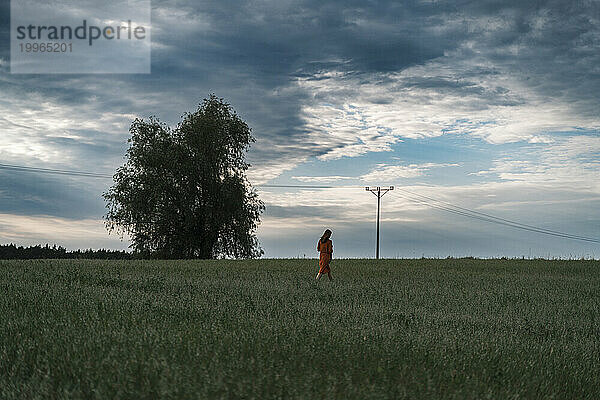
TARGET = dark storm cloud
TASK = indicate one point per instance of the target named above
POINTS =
(277, 39)
(261, 47)
(556, 44)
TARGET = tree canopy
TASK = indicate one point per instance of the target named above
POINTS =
(183, 191)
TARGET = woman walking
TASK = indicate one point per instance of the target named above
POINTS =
(325, 248)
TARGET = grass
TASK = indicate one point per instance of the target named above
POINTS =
(263, 329)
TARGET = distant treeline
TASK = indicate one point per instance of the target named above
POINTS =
(12, 252)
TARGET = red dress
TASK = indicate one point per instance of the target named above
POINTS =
(326, 250)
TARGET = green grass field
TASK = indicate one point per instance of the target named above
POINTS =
(262, 329)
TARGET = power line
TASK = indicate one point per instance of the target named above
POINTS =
(492, 216)
(422, 199)
(53, 171)
(23, 168)
(499, 221)
(502, 221)
(304, 187)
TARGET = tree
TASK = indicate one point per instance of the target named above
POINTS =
(183, 192)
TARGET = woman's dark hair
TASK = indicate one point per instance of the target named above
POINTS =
(326, 235)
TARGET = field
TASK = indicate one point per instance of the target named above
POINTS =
(263, 329)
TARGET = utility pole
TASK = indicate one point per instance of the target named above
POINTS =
(379, 192)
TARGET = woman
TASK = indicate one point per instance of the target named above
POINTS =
(325, 248)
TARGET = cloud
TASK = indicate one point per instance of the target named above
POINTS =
(379, 173)
(321, 179)
(570, 163)
(336, 79)
(358, 114)
(72, 198)
(332, 80)
(41, 229)
(350, 212)
(509, 76)
(393, 173)
(541, 139)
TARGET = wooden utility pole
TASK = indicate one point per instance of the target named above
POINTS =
(379, 192)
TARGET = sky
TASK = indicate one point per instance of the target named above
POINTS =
(489, 105)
